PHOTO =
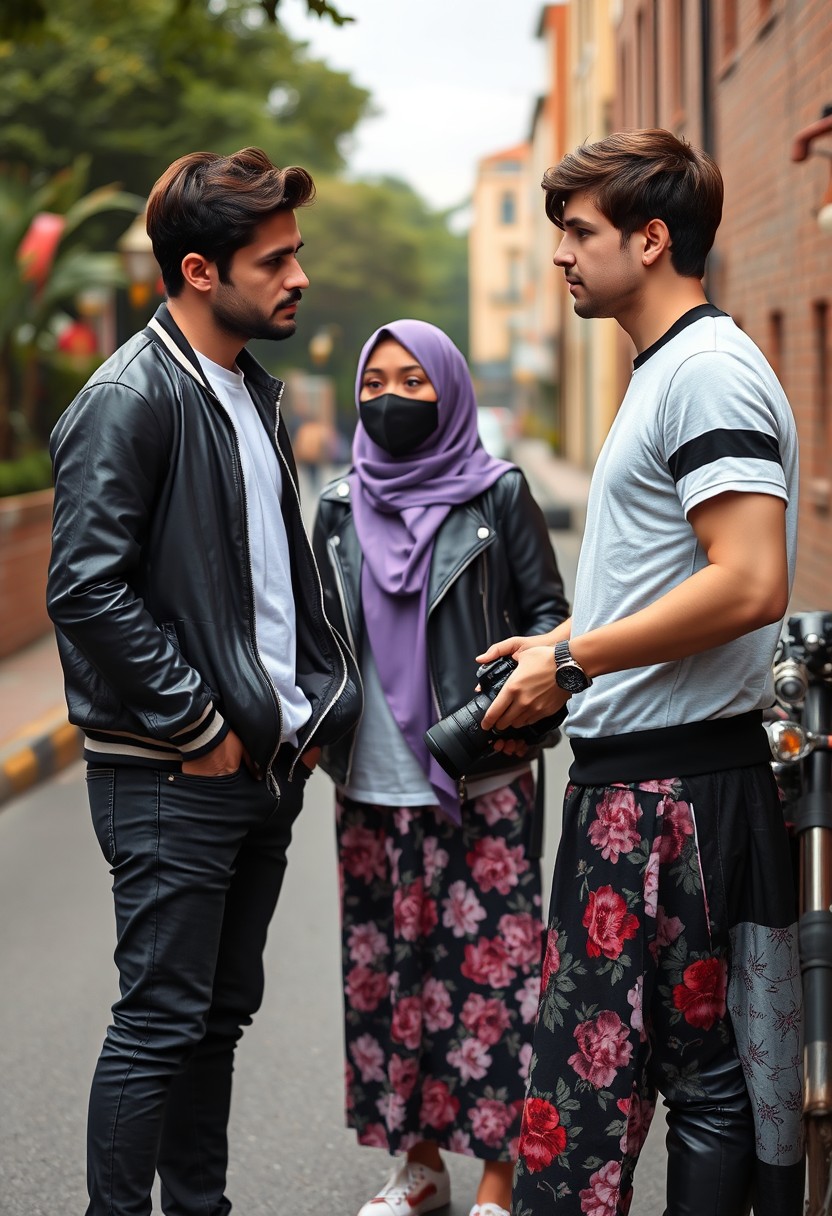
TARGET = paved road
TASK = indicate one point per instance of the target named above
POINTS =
(290, 1151)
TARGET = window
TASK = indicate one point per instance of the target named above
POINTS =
(508, 208)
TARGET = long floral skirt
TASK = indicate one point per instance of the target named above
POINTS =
(671, 942)
(442, 942)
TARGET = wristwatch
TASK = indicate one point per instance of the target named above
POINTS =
(569, 675)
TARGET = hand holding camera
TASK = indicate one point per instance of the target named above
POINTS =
(458, 741)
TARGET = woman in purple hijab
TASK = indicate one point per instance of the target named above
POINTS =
(429, 550)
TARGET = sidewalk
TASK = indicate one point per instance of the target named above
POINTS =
(35, 738)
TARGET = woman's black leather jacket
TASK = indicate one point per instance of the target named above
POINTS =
(493, 574)
(150, 584)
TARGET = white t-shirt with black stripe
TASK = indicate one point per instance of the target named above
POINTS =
(704, 414)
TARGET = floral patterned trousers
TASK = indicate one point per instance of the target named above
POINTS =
(671, 954)
(441, 955)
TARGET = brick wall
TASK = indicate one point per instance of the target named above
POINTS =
(25, 535)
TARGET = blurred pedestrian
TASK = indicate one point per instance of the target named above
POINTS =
(428, 544)
(672, 943)
(199, 663)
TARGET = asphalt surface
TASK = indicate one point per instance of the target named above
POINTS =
(289, 1149)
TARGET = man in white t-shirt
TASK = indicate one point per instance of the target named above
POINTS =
(199, 663)
(671, 964)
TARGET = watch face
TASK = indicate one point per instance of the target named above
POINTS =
(571, 678)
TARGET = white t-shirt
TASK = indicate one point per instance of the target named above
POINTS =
(703, 414)
(271, 570)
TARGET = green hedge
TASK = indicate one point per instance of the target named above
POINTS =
(31, 472)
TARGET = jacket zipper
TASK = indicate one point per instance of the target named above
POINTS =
(303, 746)
(342, 596)
(461, 787)
(253, 618)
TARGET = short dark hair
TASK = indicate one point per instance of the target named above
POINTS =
(210, 204)
(635, 176)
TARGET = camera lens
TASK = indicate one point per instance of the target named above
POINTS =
(458, 740)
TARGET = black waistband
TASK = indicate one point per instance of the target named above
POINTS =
(672, 751)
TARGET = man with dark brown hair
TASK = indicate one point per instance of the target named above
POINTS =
(199, 663)
(671, 963)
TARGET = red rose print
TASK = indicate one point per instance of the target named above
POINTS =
(488, 963)
(495, 866)
(603, 1048)
(362, 853)
(373, 1136)
(439, 1106)
(470, 1059)
(436, 1006)
(491, 1120)
(601, 1196)
(501, 804)
(367, 944)
(541, 1138)
(462, 910)
(366, 988)
(414, 913)
(677, 825)
(609, 923)
(407, 1022)
(402, 1074)
(614, 830)
(551, 959)
(487, 1020)
(701, 995)
(521, 932)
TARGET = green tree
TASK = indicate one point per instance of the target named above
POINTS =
(135, 86)
(29, 302)
(22, 18)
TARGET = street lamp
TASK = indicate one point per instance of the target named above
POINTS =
(141, 266)
(802, 149)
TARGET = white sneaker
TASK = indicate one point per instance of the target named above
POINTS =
(411, 1190)
(488, 1209)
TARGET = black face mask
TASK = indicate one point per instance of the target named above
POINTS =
(398, 424)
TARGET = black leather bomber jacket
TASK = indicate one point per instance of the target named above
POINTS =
(493, 574)
(150, 583)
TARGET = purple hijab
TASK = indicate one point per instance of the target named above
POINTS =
(398, 506)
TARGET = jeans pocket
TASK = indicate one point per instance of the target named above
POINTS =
(101, 783)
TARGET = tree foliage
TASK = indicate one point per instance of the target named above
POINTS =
(373, 252)
(135, 86)
(25, 18)
(28, 305)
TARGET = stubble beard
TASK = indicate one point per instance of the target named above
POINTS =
(240, 317)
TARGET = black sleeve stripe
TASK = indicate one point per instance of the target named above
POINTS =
(719, 445)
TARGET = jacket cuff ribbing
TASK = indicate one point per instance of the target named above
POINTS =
(203, 735)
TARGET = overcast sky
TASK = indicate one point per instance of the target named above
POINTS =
(454, 80)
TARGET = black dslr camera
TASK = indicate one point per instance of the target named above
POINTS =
(458, 741)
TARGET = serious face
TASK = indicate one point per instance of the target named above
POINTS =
(264, 283)
(604, 279)
(392, 369)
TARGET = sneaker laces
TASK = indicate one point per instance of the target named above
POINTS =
(401, 1181)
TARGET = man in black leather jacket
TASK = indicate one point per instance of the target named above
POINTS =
(199, 662)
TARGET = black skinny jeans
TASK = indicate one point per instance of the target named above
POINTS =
(197, 865)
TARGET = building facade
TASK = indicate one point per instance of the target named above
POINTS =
(741, 78)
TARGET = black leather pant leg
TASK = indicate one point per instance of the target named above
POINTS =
(710, 1142)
